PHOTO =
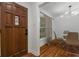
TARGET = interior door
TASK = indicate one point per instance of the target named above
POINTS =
(14, 32)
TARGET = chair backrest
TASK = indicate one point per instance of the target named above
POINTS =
(72, 38)
(73, 35)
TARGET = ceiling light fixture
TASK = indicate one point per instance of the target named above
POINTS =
(70, 9)
(70, 12)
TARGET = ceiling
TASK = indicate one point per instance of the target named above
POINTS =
(58, 8)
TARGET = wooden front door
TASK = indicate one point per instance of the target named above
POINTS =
(15, 29)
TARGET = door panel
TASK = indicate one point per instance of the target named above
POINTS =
(23, 21)
(10, 7)
(10, 41)
(21, 39)
(15, 36)
(20, 10)
(8, 19)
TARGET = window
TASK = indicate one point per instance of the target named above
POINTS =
(42, 27)
(45, 26)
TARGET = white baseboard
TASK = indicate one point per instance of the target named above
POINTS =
(43, 41)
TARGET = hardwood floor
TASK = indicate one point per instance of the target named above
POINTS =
(28, 55)
(54, 50)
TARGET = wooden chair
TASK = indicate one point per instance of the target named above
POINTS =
(72, 38)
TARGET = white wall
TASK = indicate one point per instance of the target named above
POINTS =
(70, 23)
(33, 27)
